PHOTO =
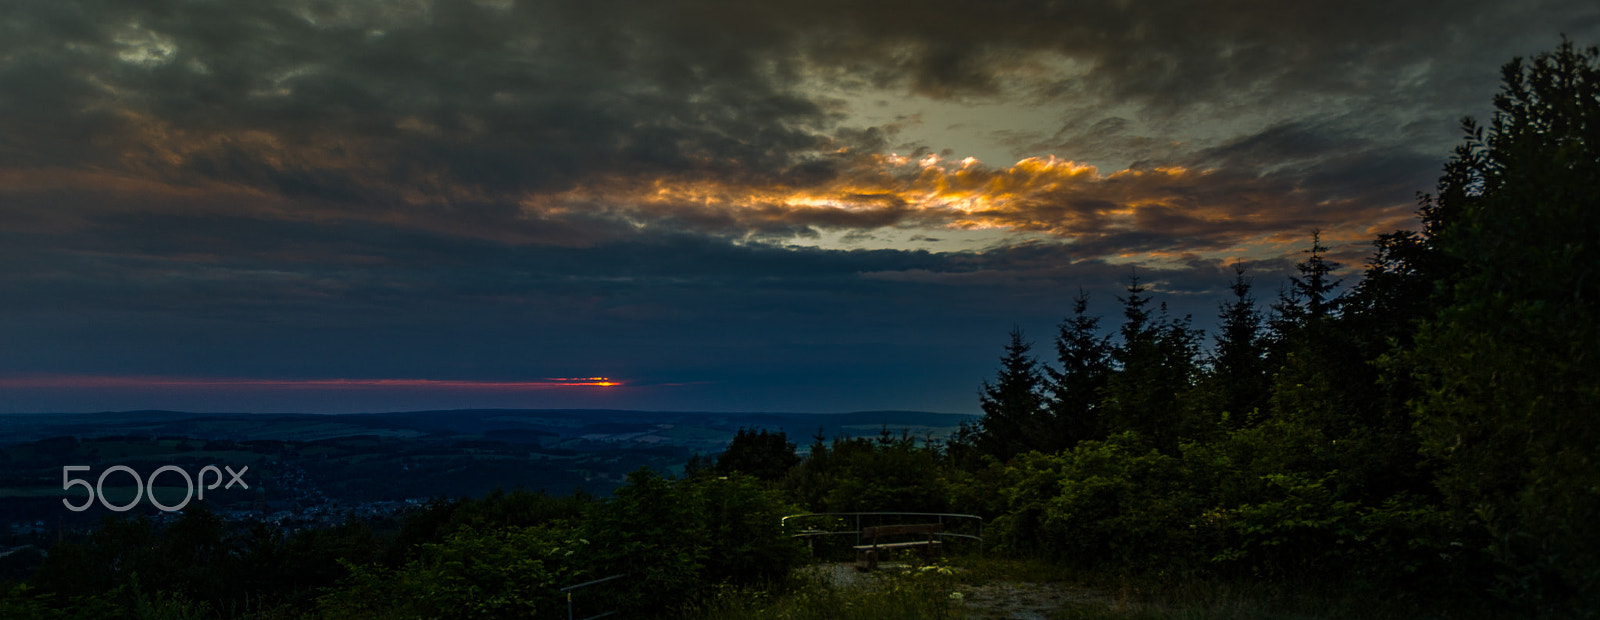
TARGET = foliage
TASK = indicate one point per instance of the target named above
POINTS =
(765, 455)
(513, 572)
(974, 488)
(1285, 454)
(195, 556)
(129, 601)
(1155, 370)
(1236, 383)
(866, 475)
(1510, 379)
(1075, 389)
(1103, 501)
(672, 539)
(742, 520)
(1014, 415)
(1310, 297)
(1252, 503)
(676, 538)
(504, 555)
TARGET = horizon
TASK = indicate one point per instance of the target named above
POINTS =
(490, 409)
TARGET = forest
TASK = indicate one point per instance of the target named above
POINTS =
(1428, 432)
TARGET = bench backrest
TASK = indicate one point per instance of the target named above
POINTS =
(900, 530)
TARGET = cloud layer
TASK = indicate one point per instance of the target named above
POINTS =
(697, 192)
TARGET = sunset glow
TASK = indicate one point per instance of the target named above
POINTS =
(121, 382)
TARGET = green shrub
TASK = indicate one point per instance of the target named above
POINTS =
(741, 521)
(1115, 501)
(513, 572)
(888, 474)
(676, 538)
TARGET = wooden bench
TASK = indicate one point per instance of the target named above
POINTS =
(867, 555)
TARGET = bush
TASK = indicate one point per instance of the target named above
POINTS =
(676, 538)
(513, 572)
(1116, 501)
(864, 475)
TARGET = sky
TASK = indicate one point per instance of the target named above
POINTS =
(717, 205)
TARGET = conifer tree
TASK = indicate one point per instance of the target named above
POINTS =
(1320, 377)
(1155, 371)
(1310, 297)
(1238, 374)
(1013, 406)
(1076, 389)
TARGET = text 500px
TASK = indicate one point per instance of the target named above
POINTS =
(142, 485)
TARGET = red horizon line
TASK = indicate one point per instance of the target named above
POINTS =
(80, 381)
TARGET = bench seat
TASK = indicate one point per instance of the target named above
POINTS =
(867, 555)
(899, 545)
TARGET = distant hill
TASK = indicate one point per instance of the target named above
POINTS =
(696, 431)
(320, 467)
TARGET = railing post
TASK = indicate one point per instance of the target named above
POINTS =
(569, 589)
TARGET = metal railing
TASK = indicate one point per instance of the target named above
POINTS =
(941, 516)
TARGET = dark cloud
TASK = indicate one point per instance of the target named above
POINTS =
(366, 101)
(361, 101)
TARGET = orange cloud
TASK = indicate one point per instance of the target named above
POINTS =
(1204, 210)
(1170, 209)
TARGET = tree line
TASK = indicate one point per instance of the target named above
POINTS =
(1435, 424)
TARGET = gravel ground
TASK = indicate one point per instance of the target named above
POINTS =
(1003, 600)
